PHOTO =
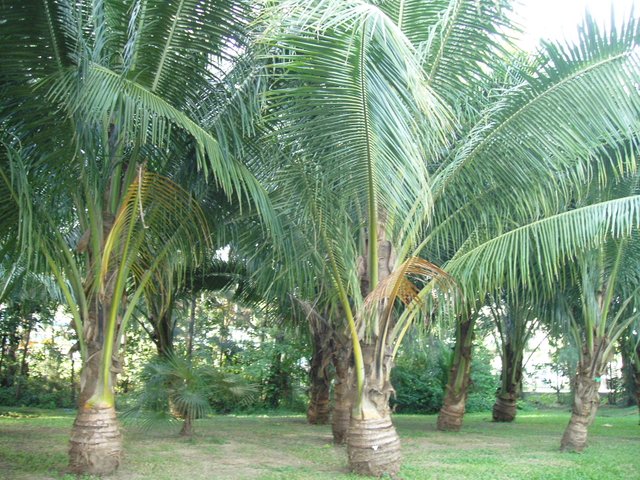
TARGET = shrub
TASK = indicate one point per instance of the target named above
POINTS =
(421, 374)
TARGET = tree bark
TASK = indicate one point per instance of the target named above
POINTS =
(373, 445)
(452, 412)
(586, 399)
(319, 409)
(187, 427)
(504, 409)
(96, 441)
(342, 392)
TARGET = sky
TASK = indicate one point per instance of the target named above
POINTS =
(559, 19)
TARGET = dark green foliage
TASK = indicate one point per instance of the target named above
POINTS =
(484, 381)
(420, 376)
(278, 366)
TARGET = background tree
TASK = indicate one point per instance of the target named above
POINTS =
(516, 322)
(95, 98)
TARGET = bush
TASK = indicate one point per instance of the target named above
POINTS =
(421, 374)
(484, 383)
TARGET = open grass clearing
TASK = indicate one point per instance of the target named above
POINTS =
(33, 445)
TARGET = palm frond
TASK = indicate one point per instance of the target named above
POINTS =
(534, 253)
(458, 40)
(550, 127)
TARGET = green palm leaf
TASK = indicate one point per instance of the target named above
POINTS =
(534, 253)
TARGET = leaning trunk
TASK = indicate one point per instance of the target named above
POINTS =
(455, 398)
(504, 409)
(319, 410)
(342, 393)
(373, 445)
(585, 399)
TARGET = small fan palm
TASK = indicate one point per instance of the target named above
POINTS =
(177, 387)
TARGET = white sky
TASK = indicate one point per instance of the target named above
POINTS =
(559, 19)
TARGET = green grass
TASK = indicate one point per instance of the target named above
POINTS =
(33, 445)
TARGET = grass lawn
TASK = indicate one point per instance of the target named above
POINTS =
(33, 445)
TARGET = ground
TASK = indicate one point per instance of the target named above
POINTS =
(33, 445)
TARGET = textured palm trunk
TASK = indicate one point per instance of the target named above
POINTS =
(187, 427)
(373, 445)
(96, 441)
(319, 410)
(342, 393)
(452, 412)
(585, 400)
(504, 409)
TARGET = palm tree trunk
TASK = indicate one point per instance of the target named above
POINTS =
(635, 366)
(586, 398)
(187, 427)
(455, 398)
(319, 410)
(342, 392)
(24, 366)
(373, 445)
(96, 441)
(504, 409)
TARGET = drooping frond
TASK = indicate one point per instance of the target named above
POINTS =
(539, 143)
(350, 97)
(534, 253)
(157, 222)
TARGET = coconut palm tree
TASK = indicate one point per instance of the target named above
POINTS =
(515, 321)
(94, 112)
(598, 305)
(367, 98)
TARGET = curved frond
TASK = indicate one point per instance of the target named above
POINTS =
(534, 253)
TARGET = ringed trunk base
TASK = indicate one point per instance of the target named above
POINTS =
(340, 424)
(574, 438)
(504, 410)
(450, 418)
(319, 413)
(373, 447)
(96, 442)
